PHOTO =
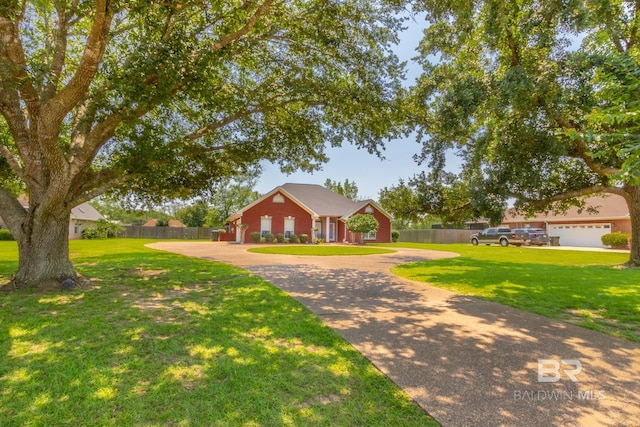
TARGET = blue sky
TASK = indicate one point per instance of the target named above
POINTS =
(369, 172)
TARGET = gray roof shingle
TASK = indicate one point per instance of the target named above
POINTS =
(321, 200)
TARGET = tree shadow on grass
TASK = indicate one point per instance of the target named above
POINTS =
(193, 343)
(598, 297)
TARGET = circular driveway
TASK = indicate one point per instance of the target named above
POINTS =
(466, 361)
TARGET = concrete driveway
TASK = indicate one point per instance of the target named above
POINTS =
(467, 362)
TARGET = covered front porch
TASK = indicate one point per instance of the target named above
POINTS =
(329, 229)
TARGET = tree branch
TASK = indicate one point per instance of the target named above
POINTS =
(11, 211)
(587, 191)
(581, 149)
(14, 54)
(13, 162)
(102, 182)
(633, 33)
(261, 11)
(610, 29)
(58, 107)
(59, 55)
(240, 115)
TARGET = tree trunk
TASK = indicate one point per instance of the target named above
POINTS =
(43, 248)
(633, 202)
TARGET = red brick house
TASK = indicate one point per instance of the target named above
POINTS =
(580, 228)
(307, 209)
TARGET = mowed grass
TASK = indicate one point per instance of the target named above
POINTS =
(320, 250)
(164, 340)
(590, 289)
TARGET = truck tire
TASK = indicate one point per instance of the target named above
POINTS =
(474, 241)
(504, 242)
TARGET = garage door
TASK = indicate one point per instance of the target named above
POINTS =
(580, 234)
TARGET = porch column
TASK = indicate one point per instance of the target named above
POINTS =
(326, 228)
(313, 231)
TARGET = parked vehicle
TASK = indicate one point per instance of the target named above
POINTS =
(520, 236)
(530, 236)
(538, 236)
(499, 235)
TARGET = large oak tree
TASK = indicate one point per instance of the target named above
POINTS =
(165, 98)
(538, 98)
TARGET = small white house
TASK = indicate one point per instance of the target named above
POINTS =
(81, 217)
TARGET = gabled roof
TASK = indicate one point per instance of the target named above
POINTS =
(609, 206)
(362, 204)
(176, 223)
(85, 212)
(319, 201)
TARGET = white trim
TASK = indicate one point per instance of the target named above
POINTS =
(365, 203)
(267, 196)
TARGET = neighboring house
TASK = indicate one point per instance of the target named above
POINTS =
(580, 228)
(307, 209)
(175, 223)
(172, 223)
(81, 217)
(151, 223)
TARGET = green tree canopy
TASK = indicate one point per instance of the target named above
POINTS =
(536, 98)
(362, 223)
(230, 196)
(194, 215)
(166, 99)
(348, 189)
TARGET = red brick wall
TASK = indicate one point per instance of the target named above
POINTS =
(278, 212)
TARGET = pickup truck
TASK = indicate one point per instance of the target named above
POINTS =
(499, 235)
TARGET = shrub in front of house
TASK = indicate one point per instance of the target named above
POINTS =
(280, 238)
(6, 235)
(269, 238)
(616, 239)
(102, 229)
(395, 236)
(304, 238)
(91, 233)
(294, 238)
(255, 236)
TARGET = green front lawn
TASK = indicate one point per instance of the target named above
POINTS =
(164, 340)
(590, 289)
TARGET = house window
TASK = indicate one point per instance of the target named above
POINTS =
(278, 198)
(289, 226)
(265, 225)
(368, 209)
(371, 235)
